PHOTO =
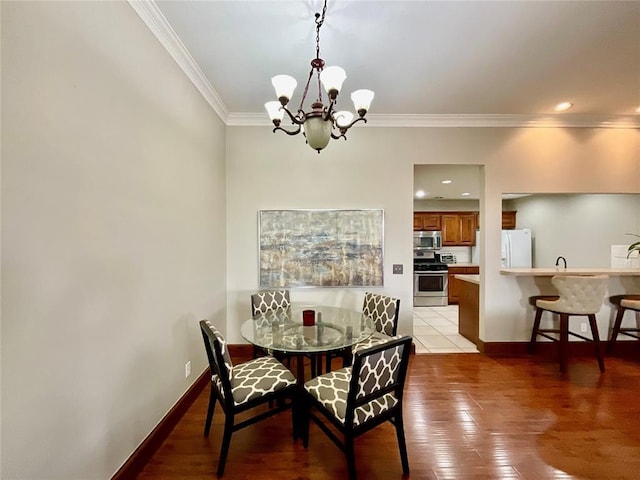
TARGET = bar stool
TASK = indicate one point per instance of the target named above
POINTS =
(579, 295)
(623, 303)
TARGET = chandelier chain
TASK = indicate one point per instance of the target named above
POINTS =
(319, 22)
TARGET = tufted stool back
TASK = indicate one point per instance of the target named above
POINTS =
(579, 295)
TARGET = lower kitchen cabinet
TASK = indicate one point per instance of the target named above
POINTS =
(455, 284)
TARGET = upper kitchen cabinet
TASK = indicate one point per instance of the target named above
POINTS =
(459, 229)
(508, 220)
(426, 221)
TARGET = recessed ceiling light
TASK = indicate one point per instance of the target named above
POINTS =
(446, 182)
(638, 110)
(561, 107)
(420, 193)
(465, 194)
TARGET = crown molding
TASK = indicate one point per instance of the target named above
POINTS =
(453, 121)
(153, 18)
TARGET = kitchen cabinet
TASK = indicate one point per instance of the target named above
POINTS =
(508, 220)
(426, 221)
(455, 284)
(459, 229)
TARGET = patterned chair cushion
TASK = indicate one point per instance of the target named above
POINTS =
(257, 377)
(375, 339)
(227, 358)
(268, 301)
(331, 391)
(382, 310)
(379, 370)
(251, 379)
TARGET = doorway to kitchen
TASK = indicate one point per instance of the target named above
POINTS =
(446, 203)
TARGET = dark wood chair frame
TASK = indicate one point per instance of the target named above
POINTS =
(347, 353)
(562, 332)
(285, 397)
(348, 431)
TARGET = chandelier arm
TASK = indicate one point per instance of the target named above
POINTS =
(329, 111)
(294, 119)
(337, 137)
(288, 132)
(347, 127)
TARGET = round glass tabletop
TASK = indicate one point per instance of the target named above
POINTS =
(283, 330)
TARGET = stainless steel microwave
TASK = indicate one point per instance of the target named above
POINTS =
(427, 240)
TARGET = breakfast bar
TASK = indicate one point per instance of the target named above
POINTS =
(551, 271)
(522, 283)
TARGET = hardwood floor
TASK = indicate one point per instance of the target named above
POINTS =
(467, 416)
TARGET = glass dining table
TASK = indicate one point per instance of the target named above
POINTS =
(283, 330)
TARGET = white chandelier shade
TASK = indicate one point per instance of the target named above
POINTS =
(284, 86)
(332, 79)
(362, 99)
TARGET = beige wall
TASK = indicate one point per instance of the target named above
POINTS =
(113, 236)
(374, 169)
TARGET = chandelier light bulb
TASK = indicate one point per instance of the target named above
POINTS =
(284, 86)
(332, 79)
(362, 101)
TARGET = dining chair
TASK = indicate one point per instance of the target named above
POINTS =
(268, 301)
(356, 399)
(384, 311)
(239, 388)
(579, 295)
(271, 300)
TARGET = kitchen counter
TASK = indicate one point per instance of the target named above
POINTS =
(469, 278)
(453, 265)
(546, 272)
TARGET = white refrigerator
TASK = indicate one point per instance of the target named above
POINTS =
(516, 248)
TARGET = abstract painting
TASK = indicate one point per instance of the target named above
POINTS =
(320, 248)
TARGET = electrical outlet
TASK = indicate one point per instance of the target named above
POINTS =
(397, 269)
(187, 369)
(583, 327)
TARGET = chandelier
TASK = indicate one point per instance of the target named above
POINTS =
(321, 123)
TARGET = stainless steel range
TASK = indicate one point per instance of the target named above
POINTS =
(430, 282)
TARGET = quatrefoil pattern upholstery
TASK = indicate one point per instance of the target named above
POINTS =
(375, 372)
(249, 380)
(579, 295)
(383, 311)
(375, 339)
(270, 300)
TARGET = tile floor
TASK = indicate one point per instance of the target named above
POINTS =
(435, 330)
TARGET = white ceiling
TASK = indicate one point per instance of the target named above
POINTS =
(423, 57)
(447, 63)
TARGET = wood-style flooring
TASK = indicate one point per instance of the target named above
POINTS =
(467, 416)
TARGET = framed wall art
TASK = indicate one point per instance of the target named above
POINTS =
(320, 248)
